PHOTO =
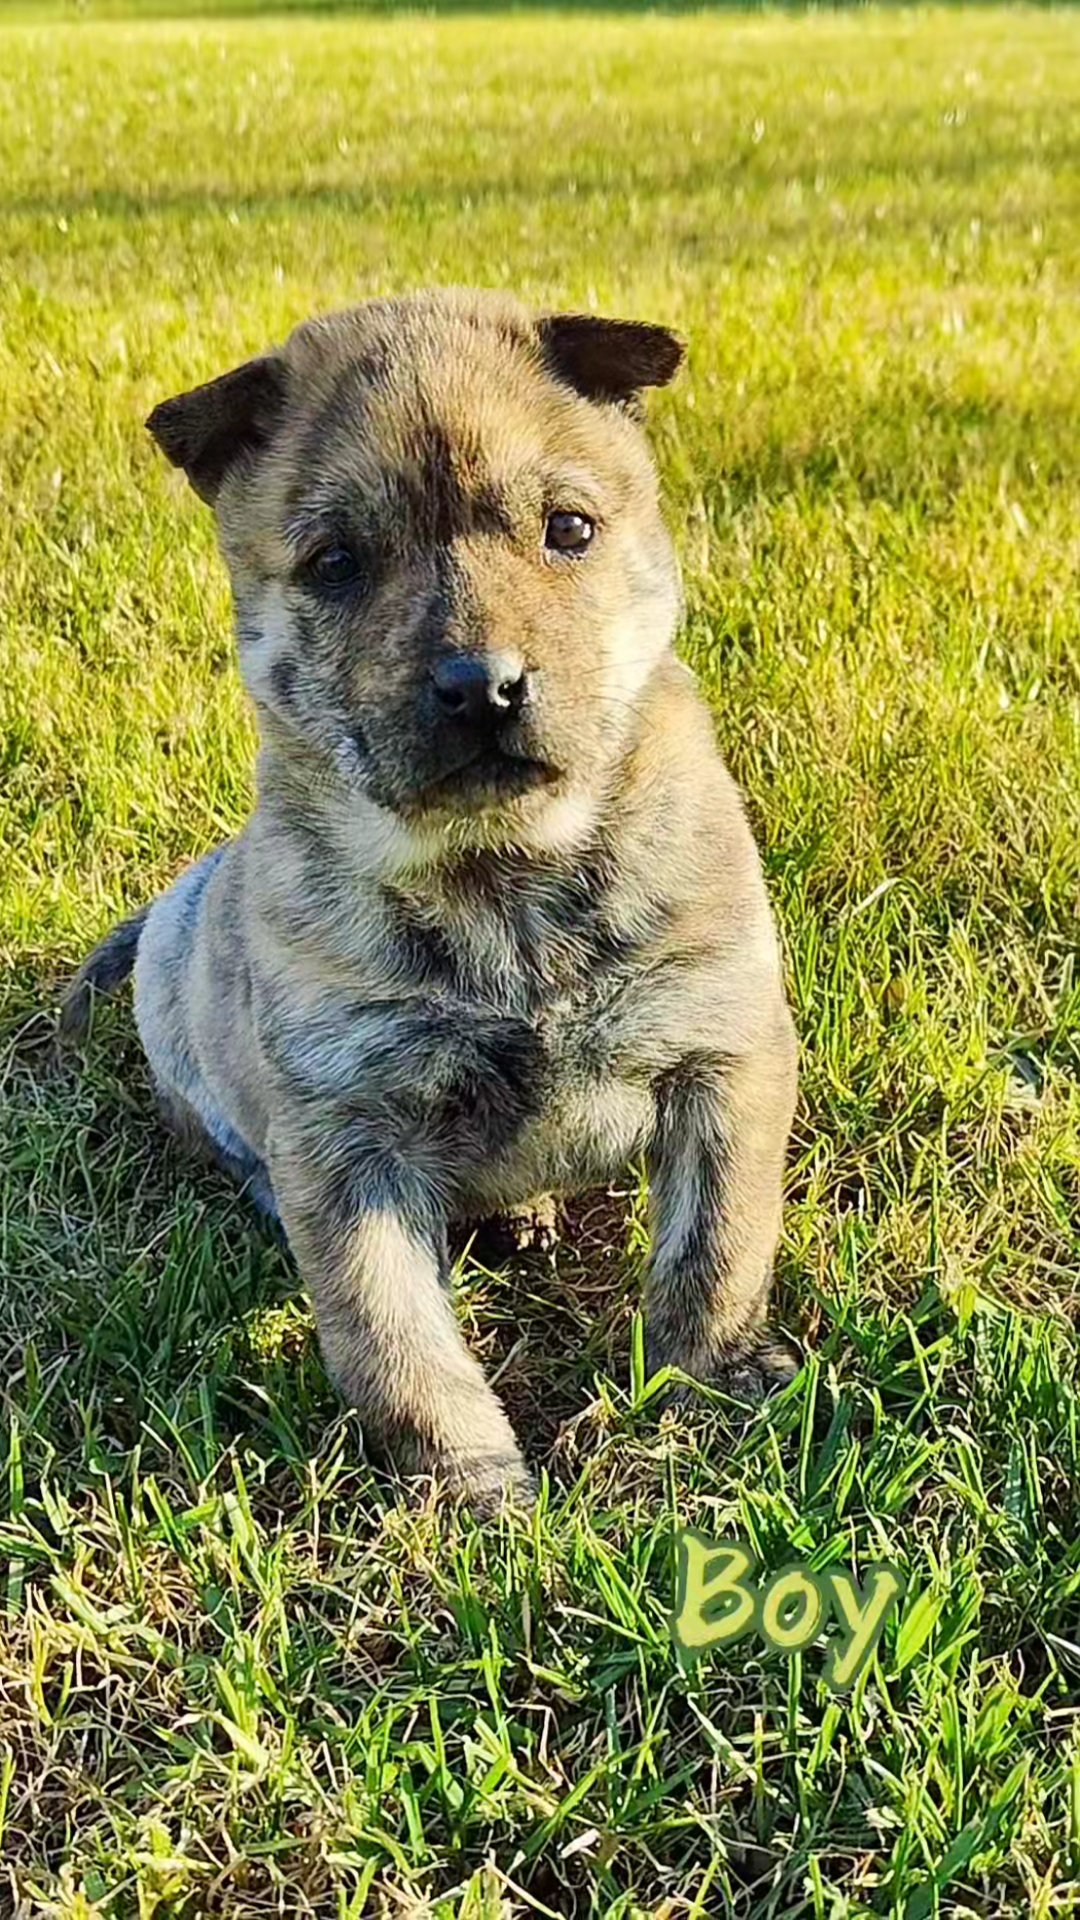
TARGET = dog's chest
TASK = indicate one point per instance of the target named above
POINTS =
(539, 951)
(542, 997)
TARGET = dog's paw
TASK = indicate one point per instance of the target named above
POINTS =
(443, 1475)
(486, 1487)
(749, 1376)
(755, 1375)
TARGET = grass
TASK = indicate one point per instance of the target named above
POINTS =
(235, 1676)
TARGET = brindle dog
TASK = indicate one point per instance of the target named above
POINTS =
(497, 922)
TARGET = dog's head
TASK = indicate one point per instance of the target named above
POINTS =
(451, 575)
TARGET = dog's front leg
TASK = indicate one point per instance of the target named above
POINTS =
(715, 1177)
(368, 1232)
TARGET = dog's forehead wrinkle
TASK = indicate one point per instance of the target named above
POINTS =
(429, 431)
(313, 519)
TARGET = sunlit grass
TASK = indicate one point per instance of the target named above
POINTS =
(234, 1676)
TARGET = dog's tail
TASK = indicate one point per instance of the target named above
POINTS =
(102, 972)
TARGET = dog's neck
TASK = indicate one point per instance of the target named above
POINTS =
(383, 847)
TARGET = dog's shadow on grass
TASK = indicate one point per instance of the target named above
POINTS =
(546, 1323)
(152, 1305)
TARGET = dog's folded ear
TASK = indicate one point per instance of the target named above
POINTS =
(609, 359)
(209, 429)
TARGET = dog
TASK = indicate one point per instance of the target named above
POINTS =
(497, 923)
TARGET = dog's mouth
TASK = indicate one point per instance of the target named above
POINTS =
(487, 776)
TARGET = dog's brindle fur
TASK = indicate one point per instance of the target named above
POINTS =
(425, 983)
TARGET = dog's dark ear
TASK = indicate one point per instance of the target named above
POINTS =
(207, 430)
(609, 359)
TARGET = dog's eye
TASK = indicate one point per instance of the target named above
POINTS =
(335, 566)
(568, 532)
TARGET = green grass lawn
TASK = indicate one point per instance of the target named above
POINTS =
(235, 1676)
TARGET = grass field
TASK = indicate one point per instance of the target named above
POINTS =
(235, 1676)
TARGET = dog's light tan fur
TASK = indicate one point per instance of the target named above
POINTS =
(402, 996)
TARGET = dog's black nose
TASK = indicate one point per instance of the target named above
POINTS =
(473, 689)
